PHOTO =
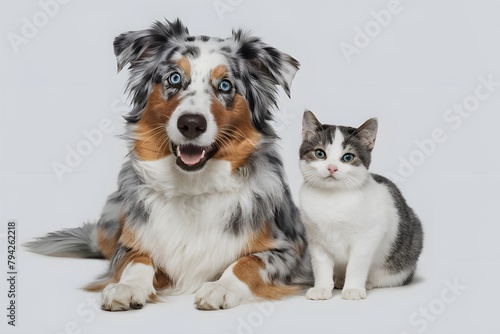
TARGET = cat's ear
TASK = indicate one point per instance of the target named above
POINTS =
(368, 133)
(310, 125)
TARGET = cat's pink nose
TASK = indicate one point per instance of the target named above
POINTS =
(332, 169)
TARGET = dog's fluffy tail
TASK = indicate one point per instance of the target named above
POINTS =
(72, 242)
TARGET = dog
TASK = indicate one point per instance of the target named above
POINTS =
(203, 205)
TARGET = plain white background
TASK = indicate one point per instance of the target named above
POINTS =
(62, 81)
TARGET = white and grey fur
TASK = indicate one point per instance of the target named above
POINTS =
(361, 232)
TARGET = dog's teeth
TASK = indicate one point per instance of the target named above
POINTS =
(202, 154)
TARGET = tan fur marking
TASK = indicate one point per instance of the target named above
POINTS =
(98, 286)
(237, 136)
(128, 238)
(260, 242)
(185, 66)
(153, 298)
(248, 270)
(152, 142)
(107, 245)
(161, 280)
(218, 72)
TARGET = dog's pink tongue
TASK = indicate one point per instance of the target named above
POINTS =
(191, 155)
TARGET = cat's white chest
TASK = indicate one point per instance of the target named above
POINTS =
(337, 220)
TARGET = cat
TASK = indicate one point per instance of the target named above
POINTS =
(361, 232)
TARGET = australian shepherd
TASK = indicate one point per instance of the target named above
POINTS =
(202, 205)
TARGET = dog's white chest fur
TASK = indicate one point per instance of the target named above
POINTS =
(186, 234)
(336, 220)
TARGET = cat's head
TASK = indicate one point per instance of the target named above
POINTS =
(336, 156)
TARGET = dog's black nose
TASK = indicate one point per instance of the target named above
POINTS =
(192, 125)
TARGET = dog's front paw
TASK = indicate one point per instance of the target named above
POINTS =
(122, 297)
(221, 294)
(319, 294)
(354, 294)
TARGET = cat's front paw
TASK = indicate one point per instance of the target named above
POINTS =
(354, 294)
(319, 294)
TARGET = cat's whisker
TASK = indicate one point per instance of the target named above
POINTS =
(312, 181)
(310, 173)
(349, 184)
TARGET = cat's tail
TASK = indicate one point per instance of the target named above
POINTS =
(80, 242)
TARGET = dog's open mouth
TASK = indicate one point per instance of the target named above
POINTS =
(191, 157)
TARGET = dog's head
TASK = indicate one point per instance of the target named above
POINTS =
(200, 97)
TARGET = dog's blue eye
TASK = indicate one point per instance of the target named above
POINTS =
(320, 154)
(348, 157)
(225, 86)
(174, 78)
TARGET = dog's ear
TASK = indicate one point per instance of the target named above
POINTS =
(132, 46)
(279, 67)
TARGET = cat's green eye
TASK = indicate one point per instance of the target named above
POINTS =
(348, 157)
(320, 154)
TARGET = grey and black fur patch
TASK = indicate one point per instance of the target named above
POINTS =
(264, 171)
(129, 185)
(109, 223)
(80, 242)
(408, 245)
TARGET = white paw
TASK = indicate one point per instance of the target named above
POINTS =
(122, 297)
(354, 294)
(221, 294)
(319, 294)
